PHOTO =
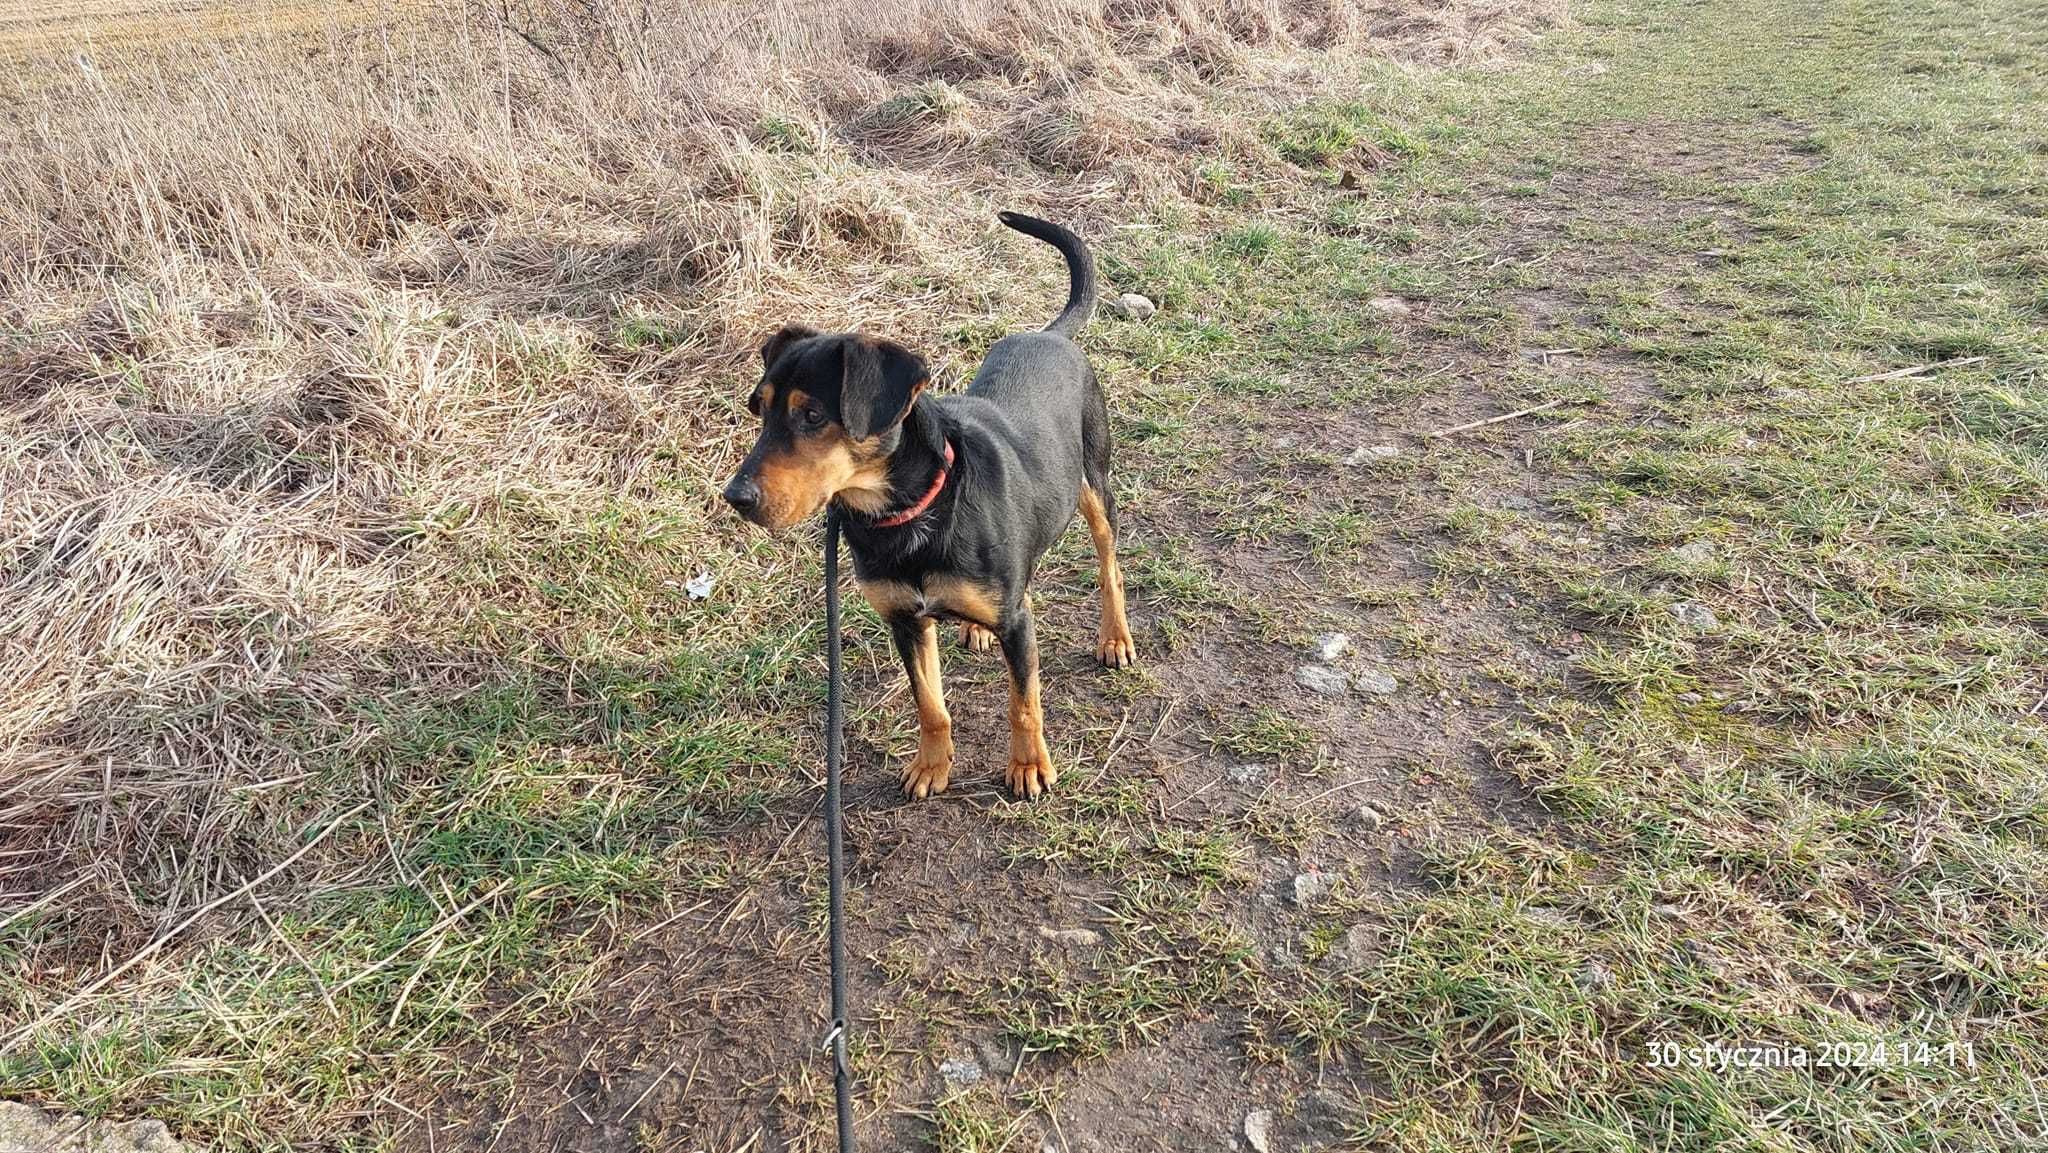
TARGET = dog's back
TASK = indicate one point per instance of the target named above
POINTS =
(1036, 398)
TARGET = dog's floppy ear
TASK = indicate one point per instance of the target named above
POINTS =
(882, 379)
(773, 347)
(785, 336)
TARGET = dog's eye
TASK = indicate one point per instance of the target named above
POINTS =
(810, 417)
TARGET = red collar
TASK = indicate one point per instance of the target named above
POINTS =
(931, 494)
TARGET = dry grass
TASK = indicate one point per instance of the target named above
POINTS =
(293, 345)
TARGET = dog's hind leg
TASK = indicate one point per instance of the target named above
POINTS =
(917, 642)
(1113, 644)
(1031, 769)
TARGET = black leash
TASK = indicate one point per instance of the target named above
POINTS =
(835, 858)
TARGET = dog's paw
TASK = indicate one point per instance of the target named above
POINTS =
(1031, 771)
(1116, 651)
(976, 639)
(929, 770)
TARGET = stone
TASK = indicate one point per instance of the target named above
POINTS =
(1370, 453)
(960, 1071)
(1248, 774)
(24, 1127)
(1323, 679)
(1311, 886)
(1517, 501)
(1694, 553)
(1374, 681)
(1136, 306)
(1694, 615)
(1390, 306)
(1330, 646)
(1354, 950)
(1369, 815)
(1086, 938)
(1258, 1130)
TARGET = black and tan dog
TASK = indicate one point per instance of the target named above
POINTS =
(947, 502)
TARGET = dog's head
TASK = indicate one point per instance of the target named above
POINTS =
(831, 407)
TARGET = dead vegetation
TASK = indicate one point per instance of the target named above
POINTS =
(292, 350)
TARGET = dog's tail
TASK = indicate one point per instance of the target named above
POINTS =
(1080, 270)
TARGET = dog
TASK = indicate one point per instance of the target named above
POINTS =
(947, 503)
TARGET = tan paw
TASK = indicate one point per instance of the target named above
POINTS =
(929, 770)
(976, 639)
(1117, 652)
(1031, 771)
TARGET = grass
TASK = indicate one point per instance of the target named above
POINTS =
(330, 517)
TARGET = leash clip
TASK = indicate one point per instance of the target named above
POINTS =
(835, 1043)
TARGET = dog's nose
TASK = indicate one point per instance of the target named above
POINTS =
(744, 495)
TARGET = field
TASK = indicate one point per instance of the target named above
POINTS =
(1651, 394)
(72, 36)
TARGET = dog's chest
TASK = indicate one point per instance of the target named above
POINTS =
(936, 595)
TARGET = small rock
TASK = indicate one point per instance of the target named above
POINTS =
(1694, 553)
(1694, 615)
(1330, 646)
(1323, 679)
(1517, 501)
(1136, 306)
(1366, 454)
(1309, 887)
(1258, 1130)
(959, 1071)
(1248, 774)
(1355, 950)
(1390, 306)
(1375, 682)
(1369, 815)
(1086, 938)
(24, 1127)
(1593, 977)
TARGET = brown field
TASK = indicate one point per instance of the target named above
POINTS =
(66, 36)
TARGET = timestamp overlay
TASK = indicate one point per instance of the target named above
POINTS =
(1726, 1056)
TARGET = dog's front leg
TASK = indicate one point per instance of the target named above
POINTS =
(1031, 769)
(917, 642)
